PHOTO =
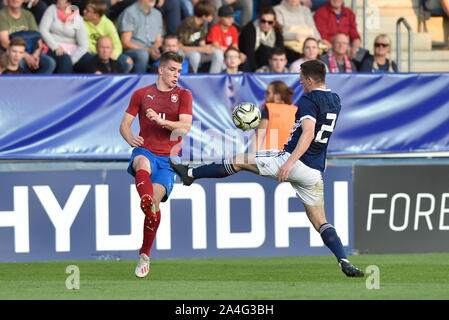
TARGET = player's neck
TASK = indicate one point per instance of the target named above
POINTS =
(161, 86)
(320, 86)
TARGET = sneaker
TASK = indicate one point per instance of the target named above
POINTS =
(148, 207)
(143, 266)
(181, 171)
(350, 270)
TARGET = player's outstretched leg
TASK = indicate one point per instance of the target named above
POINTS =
(213, 170)
(317, 217)
(333, 242)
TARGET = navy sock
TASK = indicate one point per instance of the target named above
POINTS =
(332, 241)
(214, 170)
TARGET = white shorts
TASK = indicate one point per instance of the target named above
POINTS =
(306, 181)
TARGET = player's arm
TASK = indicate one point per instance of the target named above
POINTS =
(182, 126)
(306, 138)
(126, 132)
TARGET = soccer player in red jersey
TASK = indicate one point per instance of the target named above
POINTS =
(165, 115)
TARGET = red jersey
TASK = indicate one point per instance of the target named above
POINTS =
(225, 39)
(169, 105)
(328, 24)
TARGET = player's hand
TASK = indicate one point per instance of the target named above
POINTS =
(284, 170)
(153, 116)
(136, 141)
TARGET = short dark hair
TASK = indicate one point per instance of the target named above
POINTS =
(314, 69)
(231, 48)
(100, 6)
(171, 36)
(278, 51)
(17, 41)
(204, 8)
(173, 56)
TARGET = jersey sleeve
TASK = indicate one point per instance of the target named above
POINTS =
(265, 113)
(307, 109)
(186, 103)
(134, 103)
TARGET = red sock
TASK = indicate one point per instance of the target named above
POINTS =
(143, 183)
(149, 233)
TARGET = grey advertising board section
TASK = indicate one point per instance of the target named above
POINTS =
(401, 209)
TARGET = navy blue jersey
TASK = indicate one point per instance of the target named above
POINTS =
(323, 107)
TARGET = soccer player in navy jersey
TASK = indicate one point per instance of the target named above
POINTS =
(165, 114)
(302, 160)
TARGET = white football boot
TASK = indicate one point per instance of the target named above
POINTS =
(143, 266)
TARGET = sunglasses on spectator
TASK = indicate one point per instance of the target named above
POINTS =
(384, 45)
(270, 22)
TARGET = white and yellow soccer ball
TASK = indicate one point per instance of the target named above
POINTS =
(246, 116)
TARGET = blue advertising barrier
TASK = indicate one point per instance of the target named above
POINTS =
(78, 117)
(84, 214)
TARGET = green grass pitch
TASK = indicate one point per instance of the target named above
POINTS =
(406, 276)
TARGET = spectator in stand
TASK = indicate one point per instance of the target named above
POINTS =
(192, 35)
(379, 62)
(16, 21)
(103, 62)
(98, 25)
(333, 18)
(232, 61)
(171, 12)
(171, 43)
(67, 43)
(337, 59)
(297, 25)
(259, 37)
(38, 8)
(245, 5)
(224, 34)
(310, 51)
(15, 54)
(141, 30)
(3, 61)
(277, 62)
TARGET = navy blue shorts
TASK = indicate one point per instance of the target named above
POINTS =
(161, 172)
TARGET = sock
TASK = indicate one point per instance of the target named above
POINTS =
(332, 241)
(143, 183)
(214, 170)
(149, 233)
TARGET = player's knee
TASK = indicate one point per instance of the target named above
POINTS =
(141, 163)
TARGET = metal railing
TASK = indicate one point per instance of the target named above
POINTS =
(354, 9)
(398, 43)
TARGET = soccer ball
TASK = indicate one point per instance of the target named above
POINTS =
(246, 116)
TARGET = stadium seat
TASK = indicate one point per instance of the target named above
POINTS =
(425, 14)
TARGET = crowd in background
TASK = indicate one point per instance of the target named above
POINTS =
(215, 36)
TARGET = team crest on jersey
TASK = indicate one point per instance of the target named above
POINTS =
(174, 98)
